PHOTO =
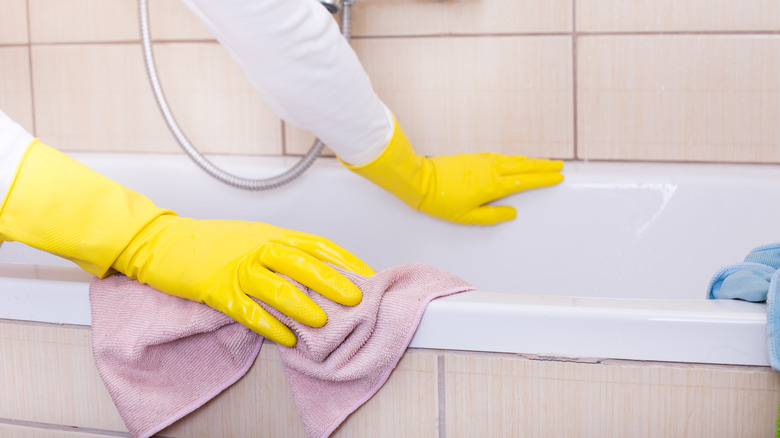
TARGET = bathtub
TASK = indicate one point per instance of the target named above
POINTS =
(613, 263)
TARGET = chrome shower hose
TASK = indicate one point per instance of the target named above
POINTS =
(228, 178)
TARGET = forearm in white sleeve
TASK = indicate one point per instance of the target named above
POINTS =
(13, 142)
(295, 57)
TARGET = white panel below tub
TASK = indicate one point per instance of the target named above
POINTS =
(62, 302)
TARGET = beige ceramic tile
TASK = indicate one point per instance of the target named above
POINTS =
(46, 431)
(15, 93)
(97, 97)
(173, 20)
(430, 17)
(690, 98)
(673, 15)
(261, 404)
(48, 373)
(298, 142)
(467, 94)
(83, 21)
(13, 22)
(512, 397)
(406, 406)
(213, 101)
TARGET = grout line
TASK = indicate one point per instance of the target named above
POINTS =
(192, 41)
(63, 428)
(581, 33)
(575, 114)
(447, 35)
(115, 42)
(681, 33)
(442, 395)
(283, 138)
(44, 324)
(84, 43)
(423, 36)
(30, 67)
(662, 161)
(461, 35)
(443, 353)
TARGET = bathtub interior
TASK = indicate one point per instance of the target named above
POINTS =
(613, 263)
(611, 230)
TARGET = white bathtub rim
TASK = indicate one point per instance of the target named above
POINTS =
(686, 331)
(694, 331)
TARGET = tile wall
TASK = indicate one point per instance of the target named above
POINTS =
(666, 80)
(430, 394)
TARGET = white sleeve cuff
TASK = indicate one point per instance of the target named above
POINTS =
(13, 142)
(371, 150)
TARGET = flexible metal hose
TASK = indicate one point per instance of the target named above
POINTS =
(228, 178)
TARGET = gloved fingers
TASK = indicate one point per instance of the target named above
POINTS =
(327, 251)
(310, 271)
(245, 311)
(488, 215)
(515, 164)
(517, 183)
(256, 280)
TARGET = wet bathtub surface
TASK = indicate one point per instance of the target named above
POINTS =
(617, 240)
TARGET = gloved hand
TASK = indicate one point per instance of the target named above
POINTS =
(456, 187)
(221, 262)
(60, 206)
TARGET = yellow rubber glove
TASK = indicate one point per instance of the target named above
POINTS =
(60, 206)
(456, 187)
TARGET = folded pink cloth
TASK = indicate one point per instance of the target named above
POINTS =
(162, 357)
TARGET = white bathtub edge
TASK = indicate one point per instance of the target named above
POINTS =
(704, 332)
(694, 331)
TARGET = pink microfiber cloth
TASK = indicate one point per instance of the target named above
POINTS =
(162, 357)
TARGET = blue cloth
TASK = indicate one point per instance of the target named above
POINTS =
(756, 279)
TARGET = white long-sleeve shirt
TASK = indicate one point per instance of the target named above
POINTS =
(13, 141)
(295, 57)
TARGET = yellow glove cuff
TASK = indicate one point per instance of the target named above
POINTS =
(398, 169)
(58, 205)
(458, 188)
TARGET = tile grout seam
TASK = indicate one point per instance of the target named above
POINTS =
(657, 33)
(62, 428)
(442, 395)
(283, 138)
(30, 68)
(575, 114)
